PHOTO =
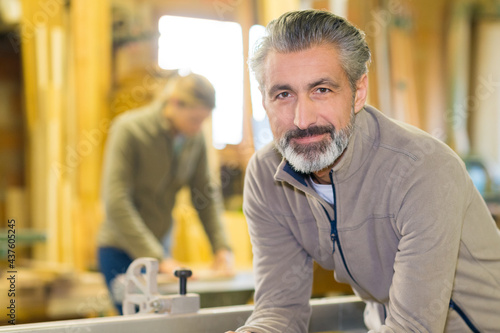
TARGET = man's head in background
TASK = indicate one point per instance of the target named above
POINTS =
(188, 101)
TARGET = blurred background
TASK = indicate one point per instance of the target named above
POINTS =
(68, 67)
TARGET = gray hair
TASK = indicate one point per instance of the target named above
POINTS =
(299, 30)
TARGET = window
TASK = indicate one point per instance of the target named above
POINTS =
(213, 49)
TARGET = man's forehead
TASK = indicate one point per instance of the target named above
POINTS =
(305, 66)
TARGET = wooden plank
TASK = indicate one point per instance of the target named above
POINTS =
(457, 75)
(484, 100)
(405, 101)
(90, 67)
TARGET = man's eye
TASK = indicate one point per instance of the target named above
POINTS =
(323, 90)
(283, 95)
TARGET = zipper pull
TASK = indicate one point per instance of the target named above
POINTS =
(334, 239)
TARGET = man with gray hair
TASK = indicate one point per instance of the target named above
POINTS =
(152, 152)
(386, 206)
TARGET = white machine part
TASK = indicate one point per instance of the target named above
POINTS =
(141, 291)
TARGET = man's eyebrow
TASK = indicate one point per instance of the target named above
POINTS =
(278, 87)
(324, 81)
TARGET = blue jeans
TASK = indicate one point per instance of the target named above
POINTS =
(112, 262)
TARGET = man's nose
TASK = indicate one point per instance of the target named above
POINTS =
(305, 113)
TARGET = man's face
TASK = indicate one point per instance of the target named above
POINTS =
(185, 115)
(311, 106)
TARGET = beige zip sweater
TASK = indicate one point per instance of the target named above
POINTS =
(141, 177)
(409, 232)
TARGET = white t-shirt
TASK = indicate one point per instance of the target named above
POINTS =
(324, 190)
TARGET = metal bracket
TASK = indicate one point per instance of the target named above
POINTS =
(141, 292)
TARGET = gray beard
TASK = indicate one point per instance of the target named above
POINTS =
(319, 155)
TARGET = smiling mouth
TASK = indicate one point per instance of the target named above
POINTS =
(309, 139)
(310, 135)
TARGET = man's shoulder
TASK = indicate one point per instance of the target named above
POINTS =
(402, 137)
(264, 163)
(137, 115)
(267, 157)
(142, 118)
(408, 145)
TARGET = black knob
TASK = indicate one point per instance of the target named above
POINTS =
(183, 274)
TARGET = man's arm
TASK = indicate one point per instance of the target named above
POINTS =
(119, 166)
(430, 223)
(282, 269)
(207, 200)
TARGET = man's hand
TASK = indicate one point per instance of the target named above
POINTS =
(224, 262)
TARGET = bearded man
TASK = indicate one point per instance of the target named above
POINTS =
(388, 207)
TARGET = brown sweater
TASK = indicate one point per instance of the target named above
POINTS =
(410, 235)
(141, 178)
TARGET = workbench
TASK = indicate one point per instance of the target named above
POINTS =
(344, 314)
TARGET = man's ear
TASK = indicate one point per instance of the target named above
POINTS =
(361, 93)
